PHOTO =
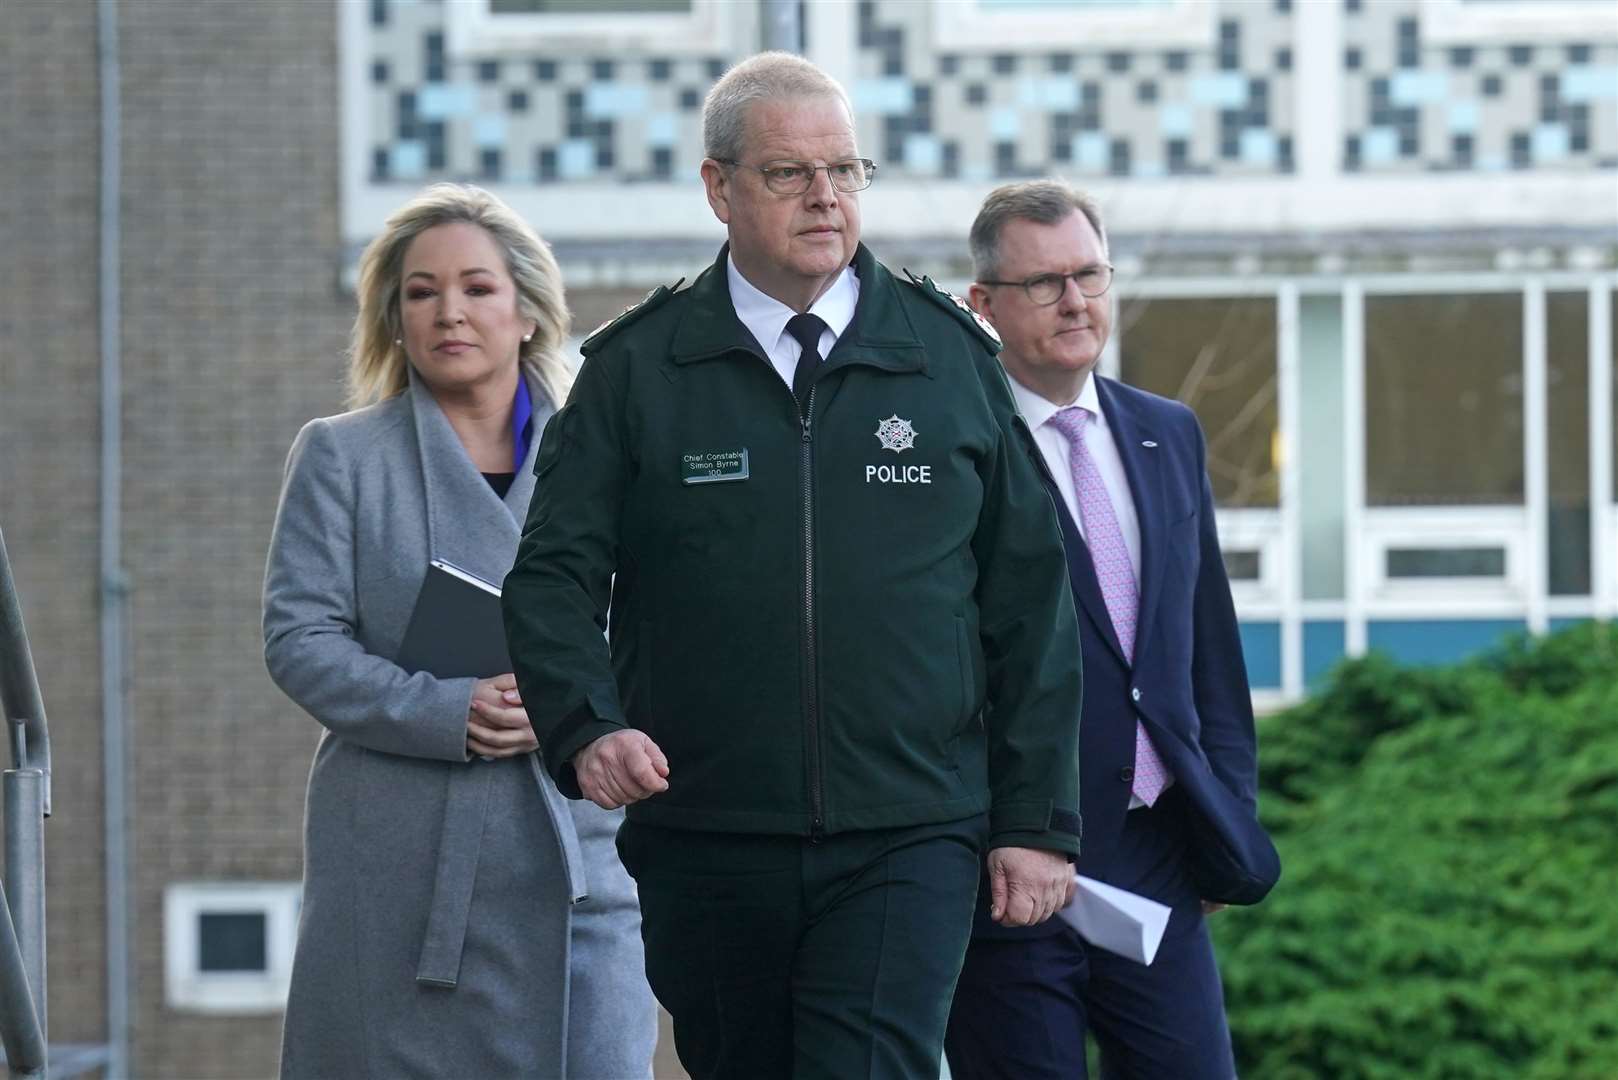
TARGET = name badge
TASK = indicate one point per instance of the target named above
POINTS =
(713, 466)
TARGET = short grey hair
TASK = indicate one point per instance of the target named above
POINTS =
(769, 76)
(1045, 202)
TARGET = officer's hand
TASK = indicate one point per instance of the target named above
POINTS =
(1027, 885)
(621, 768)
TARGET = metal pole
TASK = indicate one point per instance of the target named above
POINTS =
(19, 685)
(113, 589)
(19, 1023)
(24, 792)
(780, 29)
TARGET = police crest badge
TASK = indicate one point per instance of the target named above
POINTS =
(895, 434)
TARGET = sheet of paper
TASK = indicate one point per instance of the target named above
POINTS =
(1117, 920)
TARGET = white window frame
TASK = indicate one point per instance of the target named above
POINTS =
(187, 988)
(1465, 22)
(1260, 529)
(1437, 529)
(969, 26)
(472, 28)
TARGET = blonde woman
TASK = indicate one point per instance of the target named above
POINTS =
(460, 918)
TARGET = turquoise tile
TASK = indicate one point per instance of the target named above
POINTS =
(1407, 88)
(1378, 146)
(1051, 95)
(1227, 90)
(489, 130)
(1463, 117)
(1091, 150)
(1550, 142)
(407, 160)
(576, 159)
(1258, 146)
(1005, 123)
(1589, 84)
(662, 129)
(923, 154)
(1175, 121)
(606, 101)
(883, 96)
(440, 101)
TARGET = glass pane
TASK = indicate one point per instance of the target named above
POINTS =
(1613, 340)
(1446, 562)
(1443, 400)
(1567, 377)
(231, 942)
(587, 7)
(1242, 565)
(1218, 356)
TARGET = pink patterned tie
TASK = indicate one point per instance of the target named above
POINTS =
(1115, 574)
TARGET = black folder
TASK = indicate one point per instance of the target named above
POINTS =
(456, 630)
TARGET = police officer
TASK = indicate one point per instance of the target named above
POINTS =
(843, 658)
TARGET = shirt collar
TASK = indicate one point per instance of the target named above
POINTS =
(767, 317)
(1036, 409)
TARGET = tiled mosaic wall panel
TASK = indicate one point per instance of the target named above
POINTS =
(1143, 112)
(1410, 105)
(534, 119)
(1223, 110)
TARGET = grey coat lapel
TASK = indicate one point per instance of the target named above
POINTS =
(472, 527)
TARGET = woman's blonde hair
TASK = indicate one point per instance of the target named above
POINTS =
(377, 364)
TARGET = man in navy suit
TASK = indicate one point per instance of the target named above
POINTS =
(1167, 756)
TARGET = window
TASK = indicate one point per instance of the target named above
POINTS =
(1481, 22)
(585, 7)
(228, 947)
(1567, 378)
(1219, 357)
(1443, 400)
(477, 29)
(1091, 24)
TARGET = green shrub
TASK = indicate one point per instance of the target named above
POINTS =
(1449, 901)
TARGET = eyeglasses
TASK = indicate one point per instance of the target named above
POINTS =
(1047, 289)
(797, 177)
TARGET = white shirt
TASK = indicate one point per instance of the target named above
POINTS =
(1058, 454)
(766, 317)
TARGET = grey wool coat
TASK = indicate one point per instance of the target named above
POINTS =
(460, 918)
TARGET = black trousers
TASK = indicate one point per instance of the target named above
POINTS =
(781, 957)
(1024, 1003)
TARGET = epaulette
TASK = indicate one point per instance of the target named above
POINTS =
(953, 304)
(651, 302)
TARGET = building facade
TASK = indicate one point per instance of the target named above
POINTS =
(1373, 243)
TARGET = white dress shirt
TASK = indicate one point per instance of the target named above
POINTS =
(1058, 453)
(766, 317)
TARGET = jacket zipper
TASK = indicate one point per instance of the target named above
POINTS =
(817, 795)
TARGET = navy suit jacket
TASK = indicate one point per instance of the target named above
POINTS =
(1188, 682)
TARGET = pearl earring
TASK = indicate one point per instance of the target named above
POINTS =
(398, 341)
(528, 337)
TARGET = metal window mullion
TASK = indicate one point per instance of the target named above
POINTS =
(1536, 482)
(1603, 541)
(1354, 578)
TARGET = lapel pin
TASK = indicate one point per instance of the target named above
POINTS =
(1149, 444)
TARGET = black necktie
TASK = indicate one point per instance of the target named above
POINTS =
(806, 330)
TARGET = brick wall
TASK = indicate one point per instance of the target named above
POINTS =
(49, 412)
(233, 330)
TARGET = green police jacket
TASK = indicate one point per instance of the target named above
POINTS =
(851, 616)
